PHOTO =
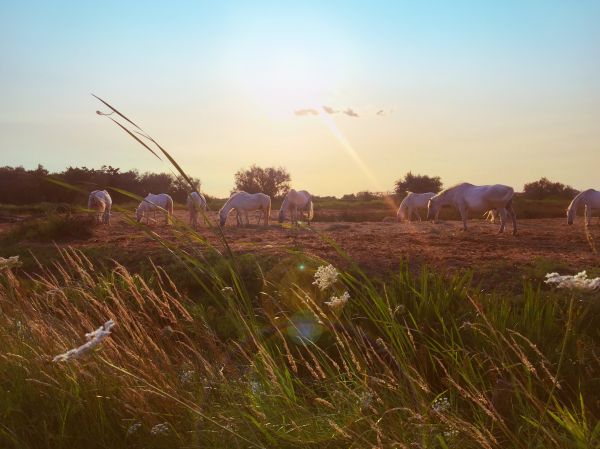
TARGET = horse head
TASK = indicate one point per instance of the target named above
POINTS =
(139, 212)
(570, 215)
(222, 217)
(432, 208)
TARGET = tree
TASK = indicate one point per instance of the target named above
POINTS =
(544, 188)
(272, 181)
(418, 184)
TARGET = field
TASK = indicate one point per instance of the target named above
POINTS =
(497, 261)
(421, 336)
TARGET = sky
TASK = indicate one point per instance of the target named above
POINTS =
(478, 91)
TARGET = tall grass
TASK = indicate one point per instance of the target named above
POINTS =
(228, 368)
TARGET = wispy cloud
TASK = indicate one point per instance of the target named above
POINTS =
(304, 112)
(350, 112)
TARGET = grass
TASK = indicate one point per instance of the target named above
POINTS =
(54, 227)
(266, 364)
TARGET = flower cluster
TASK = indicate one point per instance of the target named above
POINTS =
(160, 429)
(338, 303)
(578, 282)
(134, 428)
(186, 376)
(94, 339)
(440, 405)
(325, 276)
(11, 262)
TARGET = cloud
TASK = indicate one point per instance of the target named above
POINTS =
(304, 112)
(350, 112)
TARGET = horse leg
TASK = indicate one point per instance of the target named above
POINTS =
(588, 215)
(502, 213)
(463, 216)
(513, 216)
(418, 214)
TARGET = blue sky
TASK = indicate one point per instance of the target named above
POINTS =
(483, 92)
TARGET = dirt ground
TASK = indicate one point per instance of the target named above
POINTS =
(379, 247)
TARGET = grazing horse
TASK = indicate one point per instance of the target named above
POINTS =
(101, 202)
(195, 203)
(243, 202)
(294, 202)
(467, 197)
(411, 204)
(153, 203)
(590, 198)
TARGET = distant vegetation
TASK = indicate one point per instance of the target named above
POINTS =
(544, 188)
(28, 191)
(21, 186)
(273, 181)
(418, 184)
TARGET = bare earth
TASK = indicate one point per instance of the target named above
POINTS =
(378, 247)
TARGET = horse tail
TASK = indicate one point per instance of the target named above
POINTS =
(90, 201)
(107, 208)
(311, 211)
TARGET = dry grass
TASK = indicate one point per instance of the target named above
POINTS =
(282, 370)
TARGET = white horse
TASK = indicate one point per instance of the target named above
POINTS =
(153, 203)
(411, 204)
(243, 202)
(467, 197)
(101, 202)
(590, 198)
(195, 203)
(294, 202)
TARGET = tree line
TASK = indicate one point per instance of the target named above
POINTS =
(21, 186)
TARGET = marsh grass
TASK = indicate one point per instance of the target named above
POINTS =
(53, 227)
(276, 368)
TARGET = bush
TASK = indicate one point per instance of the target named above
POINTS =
(544, 188)
(418, 184)
(270, 181)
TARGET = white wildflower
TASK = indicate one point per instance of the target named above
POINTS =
(94, 339)
(440, 405)
(160, 429)
(186, 376)
(578, 282)
(325, 276)
(10, 262)
(366, 399)
(134, 428)
(338, 303)
(450, 433)
(227, 290)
